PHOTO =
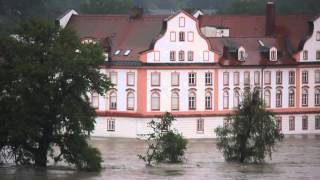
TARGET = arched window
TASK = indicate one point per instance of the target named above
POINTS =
(225, 99)
(241, 54)
(192, 100)
(208, 100)
(113, 100)
(236, 99)
(279, 98)
(291, 98)
(155, 101)
(273, 54)
(174, 101)
(305, 97)
(130, 101)
(317, 97)
(267, 98)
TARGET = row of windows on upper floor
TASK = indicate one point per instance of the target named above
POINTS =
(305, 55)
(175, 100)
(190, 36)
(192, 78)
(267, 77)
(175, 78)
(278, 99)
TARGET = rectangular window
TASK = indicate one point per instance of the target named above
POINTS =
(317, 122)
(279, 123)
(190, 36)
(292, 77)
(192, 79)
(256, 77)
(246, 78)
(279, 77)
(181, 36)
(156, 56)
(236, 78)
(182, 21)
(111, 125)
(208, 78)
(155, 79)
(95, 100)
(175, 79)
(267, 77)
(291, 123)
(181, 55)
(305, 77)
(130, 78)
(192, 101)
(225, 78)
(200, 125)
(173, 36)
(318, 55)
(318, 36)
(305, 55)
(190, 55)
(114, 78)
(205, 56)
(317, 76)
(304, 122)
(172, 55)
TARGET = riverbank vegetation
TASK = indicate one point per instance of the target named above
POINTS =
(250, 134)
(45, 76)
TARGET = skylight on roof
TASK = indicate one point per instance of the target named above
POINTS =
(117, 52)
(261, 43)
(127, 52)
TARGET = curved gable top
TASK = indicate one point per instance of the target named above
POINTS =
(314, 26)
(180, 31)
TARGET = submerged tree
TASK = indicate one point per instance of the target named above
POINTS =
(251, 132)
(45, 76)
(164, 144)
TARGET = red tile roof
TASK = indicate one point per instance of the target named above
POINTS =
(137, 34)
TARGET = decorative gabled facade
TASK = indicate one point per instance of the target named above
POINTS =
(198, 67)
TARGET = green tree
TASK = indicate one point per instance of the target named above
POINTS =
(164, 144)
(45, 76)
(251, 133)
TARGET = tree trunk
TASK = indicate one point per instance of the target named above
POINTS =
(40, 157)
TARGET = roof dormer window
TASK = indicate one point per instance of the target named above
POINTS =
(273, 54)
(242, 54)
(117, 52)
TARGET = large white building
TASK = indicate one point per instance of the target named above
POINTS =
(198, 66)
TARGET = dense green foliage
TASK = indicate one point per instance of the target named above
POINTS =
(164, 144)
(45, 75)
(251, 133)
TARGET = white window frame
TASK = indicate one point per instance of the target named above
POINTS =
(208, 100)
(155, 79)
(192, 79)
(155, 101)
(292, 77)
(175, 99)
(111, 125)
(190, 55)
(208, 78)
(175, 78)
(192, 101)
(305, 77)
(131, 78)
(200, 125)
(304, 97)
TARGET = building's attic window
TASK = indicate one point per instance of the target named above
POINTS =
(127, 52)
(273, 54)
(242, 55)
(89, 41)
(261, 43)
(117, 52)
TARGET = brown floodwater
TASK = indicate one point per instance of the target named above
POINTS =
(297, 157)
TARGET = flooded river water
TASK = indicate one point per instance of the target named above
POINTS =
(297, 157)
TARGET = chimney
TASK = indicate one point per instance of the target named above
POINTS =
(270, 18)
